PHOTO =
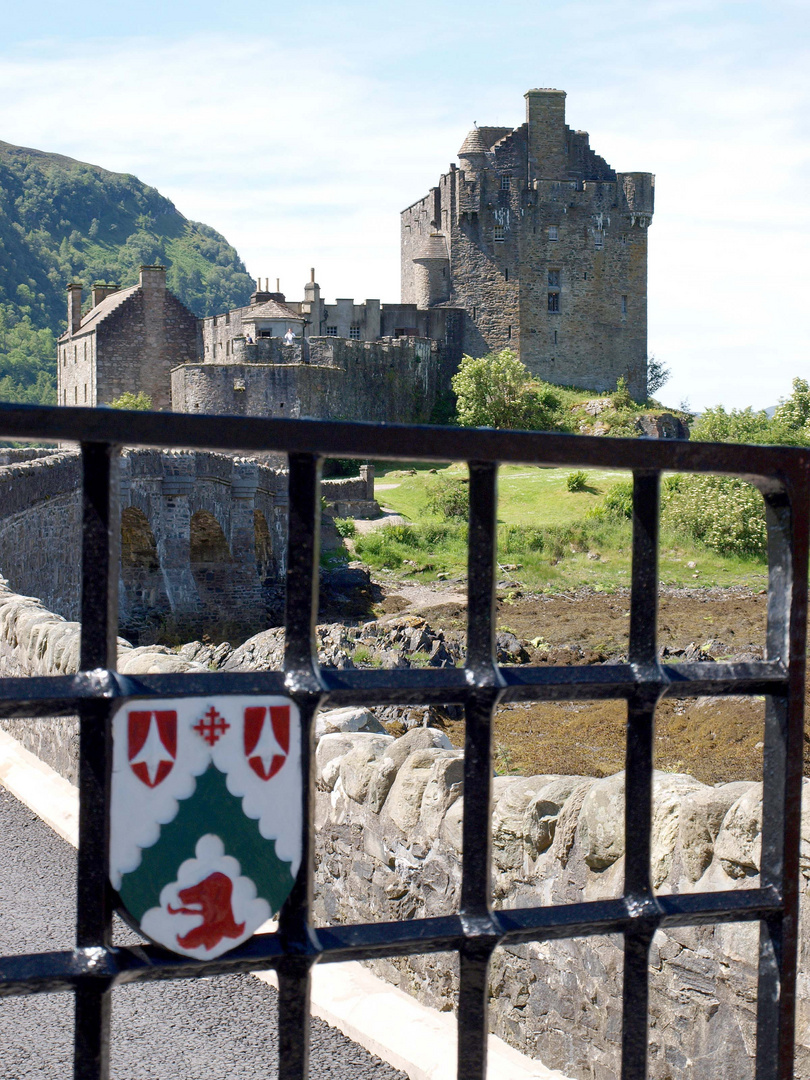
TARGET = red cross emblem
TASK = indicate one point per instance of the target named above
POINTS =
(267, 744)
(152, 745)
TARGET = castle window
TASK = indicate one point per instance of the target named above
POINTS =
(506, 274)
(624, 307)
(499, 236)
(554, 279)
(506, 183)
(624, 239)
(331, 331)
(354, 333)
(85, 392)
(475, 313)
(555, 337)
(239, 384)
(554, 302)
(509, 333)
(598, 238)
(553, 232)
(75, 395)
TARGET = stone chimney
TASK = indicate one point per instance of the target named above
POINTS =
(548, 150)
(74, 310)
(153, 278)
(101, 292)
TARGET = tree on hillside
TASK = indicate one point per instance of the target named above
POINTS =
(789, 425)
(497, 391)
(657, 374)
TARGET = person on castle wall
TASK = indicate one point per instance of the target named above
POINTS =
(289, 337)
(248, 339)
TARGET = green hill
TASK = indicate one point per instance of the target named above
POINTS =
(63, 220)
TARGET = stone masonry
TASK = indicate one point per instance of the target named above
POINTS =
(203, 535)
(543, 245)
(388, 847)
(128, 341)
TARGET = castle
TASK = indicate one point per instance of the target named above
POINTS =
(543, 246)
(533, 243)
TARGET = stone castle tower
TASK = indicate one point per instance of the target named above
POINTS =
(543, 245)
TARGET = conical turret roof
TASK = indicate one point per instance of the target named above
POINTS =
(473, 144)
(434, 249)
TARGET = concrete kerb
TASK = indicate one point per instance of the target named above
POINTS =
(381, 1018)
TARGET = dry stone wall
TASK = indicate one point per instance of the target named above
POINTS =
(389, 847)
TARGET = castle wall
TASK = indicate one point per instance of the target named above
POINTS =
(139, 344)
(547, 251)
(384, 381)
(40, 528)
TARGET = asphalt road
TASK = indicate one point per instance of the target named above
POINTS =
(195, 1029)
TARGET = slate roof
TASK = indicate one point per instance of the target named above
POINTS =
(433, 249)
(481, 140)
(100, 312)
(270, 309)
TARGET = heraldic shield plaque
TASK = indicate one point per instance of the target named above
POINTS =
(205, 817)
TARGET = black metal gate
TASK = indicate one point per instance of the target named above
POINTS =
(94, 967)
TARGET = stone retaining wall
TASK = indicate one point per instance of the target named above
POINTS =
(388, 827)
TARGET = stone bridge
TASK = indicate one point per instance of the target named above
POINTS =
(203, 535)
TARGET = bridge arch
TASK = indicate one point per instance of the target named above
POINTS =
(263, 546)
(208, 545)
(143, 591)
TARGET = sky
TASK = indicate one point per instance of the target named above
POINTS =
(301, 131)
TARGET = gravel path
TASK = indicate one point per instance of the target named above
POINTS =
(200, 1029)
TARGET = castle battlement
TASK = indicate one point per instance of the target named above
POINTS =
(546, 250)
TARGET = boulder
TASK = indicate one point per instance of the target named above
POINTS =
(404, 802)
(445, 785)
(542, 812)
(601, 822)
(509, 825)
(739, 840)
(332, 748)
(355, 771)
(349, 719)
(669, 792)
(701, 816)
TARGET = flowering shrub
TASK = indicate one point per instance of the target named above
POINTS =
(725, 514)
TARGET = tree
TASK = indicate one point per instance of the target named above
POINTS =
(657, 375)
(497, 391)
(140, 402)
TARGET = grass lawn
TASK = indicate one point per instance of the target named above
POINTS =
(547, 539)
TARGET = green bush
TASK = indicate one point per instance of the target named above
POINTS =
(345, 527)
(449, 497)
(618, 502)
(576, 481)
(725, 514)
(140, 402)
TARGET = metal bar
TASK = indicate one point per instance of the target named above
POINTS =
(482, 671)
(100, 561)
(294, 1022)
(60, 695)
(642, 653)
(304, 685)
(423, 442)
(57, 971)
(782, 782)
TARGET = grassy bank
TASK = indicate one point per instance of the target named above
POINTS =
(549, 537)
